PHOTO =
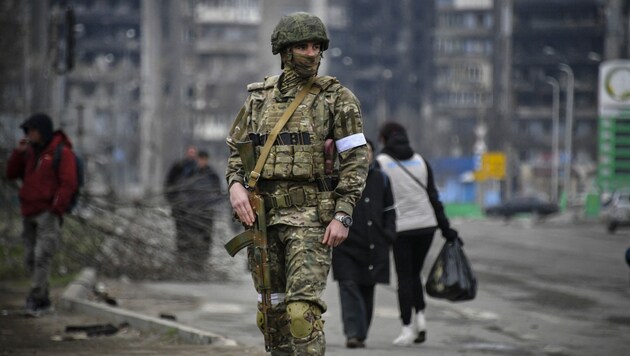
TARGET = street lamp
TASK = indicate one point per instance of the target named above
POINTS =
(568, 135)
(555, 136)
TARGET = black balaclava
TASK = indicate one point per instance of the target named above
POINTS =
(42, 123)
(396, 142)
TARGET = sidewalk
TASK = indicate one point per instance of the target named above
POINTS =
(138, 333)
(217, 318)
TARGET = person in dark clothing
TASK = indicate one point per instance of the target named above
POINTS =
(45, 195)
(362, 260)
(203, 193)
(176, 190)
(419, 213)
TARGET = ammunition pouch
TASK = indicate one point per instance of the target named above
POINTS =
(288, 162)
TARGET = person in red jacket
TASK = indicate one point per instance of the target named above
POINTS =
(45, 195)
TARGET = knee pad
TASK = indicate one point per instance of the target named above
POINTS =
(276, 318)
(278, 322)
(304, 319)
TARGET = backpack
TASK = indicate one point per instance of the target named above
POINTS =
(80, 173)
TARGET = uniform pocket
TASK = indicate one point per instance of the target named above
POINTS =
(268, 167)
(302, 162)
(325, 206)
(282, 168)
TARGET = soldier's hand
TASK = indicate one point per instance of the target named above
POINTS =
(239, 198)
(335, 234)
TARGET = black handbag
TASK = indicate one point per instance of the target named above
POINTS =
(451, 276)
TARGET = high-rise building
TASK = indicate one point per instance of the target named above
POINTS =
(382, 51)
(152, 77)
(541, 39)
(462, 87)
(100, 97)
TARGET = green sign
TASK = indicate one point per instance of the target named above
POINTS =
(614, 125)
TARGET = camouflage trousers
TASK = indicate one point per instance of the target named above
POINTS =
(299, 265)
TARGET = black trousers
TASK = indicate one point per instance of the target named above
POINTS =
(410, 251)
(193, 240)
(357, 307)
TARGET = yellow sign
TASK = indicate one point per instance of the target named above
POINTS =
(492, 166)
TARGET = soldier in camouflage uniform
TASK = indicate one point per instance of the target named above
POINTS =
(314, 174)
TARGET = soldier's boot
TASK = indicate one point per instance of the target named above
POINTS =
(280, 335)
(307, 329)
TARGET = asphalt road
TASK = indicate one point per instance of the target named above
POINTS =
(545, 288)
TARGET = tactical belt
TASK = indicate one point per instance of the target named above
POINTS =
(284, 138)
(299, 197)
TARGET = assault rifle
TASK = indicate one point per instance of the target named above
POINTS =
(257, 236)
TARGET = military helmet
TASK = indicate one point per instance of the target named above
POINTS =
(298, 27)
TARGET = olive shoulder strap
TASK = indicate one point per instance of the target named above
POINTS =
(255, 174)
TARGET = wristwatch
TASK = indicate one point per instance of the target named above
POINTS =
(346, 220)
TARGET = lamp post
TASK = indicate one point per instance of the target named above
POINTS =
(568, 135)
(555, 161)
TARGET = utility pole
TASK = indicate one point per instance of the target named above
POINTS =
(503, 87)
(151, 91)
(568, 135)
(555, 133)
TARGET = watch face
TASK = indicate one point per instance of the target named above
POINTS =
(344, 219)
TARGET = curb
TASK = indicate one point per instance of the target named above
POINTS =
(74, 298)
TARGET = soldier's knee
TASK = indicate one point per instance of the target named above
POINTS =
(305, 318)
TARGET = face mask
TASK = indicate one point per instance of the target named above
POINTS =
(304, 66)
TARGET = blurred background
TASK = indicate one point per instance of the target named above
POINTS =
(504, 97)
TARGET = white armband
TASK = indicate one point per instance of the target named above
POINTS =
(276, 298)
(350, 142)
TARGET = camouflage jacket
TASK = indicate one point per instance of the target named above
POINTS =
(329, 111)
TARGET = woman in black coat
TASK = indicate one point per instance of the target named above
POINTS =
(362, 260)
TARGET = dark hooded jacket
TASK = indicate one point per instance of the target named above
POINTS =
(44, 188)
(364, 256)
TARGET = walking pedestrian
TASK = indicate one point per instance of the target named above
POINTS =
(362, 260)
(309, 204)
(45, 196)
(419, 212)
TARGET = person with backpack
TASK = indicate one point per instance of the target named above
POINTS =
(45, 196)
